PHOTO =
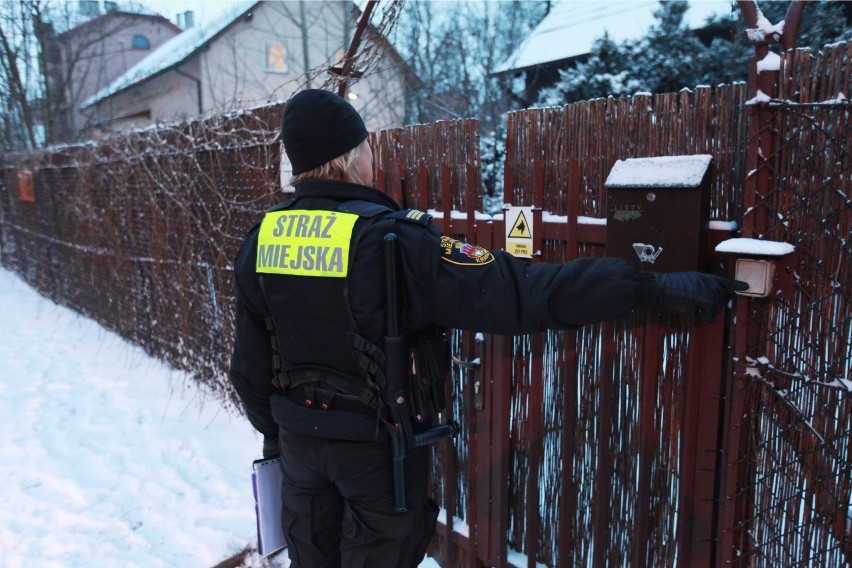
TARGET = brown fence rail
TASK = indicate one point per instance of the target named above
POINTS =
(623, 444)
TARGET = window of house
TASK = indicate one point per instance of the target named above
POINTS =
(141, 42)
(276, 57)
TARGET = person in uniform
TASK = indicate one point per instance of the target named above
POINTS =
(309, 361)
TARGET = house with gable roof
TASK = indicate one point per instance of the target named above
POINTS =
(252, 54)
(566, 34)
(85, 59)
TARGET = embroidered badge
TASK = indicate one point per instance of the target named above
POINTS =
(457, 252)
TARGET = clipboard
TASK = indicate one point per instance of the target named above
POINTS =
(266, 482)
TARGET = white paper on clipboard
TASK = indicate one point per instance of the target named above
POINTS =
(266, 485)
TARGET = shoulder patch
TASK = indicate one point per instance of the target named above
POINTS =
(412, 216)
(457, 252)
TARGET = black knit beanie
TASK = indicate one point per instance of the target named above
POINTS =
(318, 126)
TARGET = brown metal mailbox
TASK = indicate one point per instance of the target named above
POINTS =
(658, 211)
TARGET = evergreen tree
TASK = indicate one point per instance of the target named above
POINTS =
(671, 57)
(725, 60)
(604, 73)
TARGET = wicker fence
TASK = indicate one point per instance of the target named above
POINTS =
(605, 457)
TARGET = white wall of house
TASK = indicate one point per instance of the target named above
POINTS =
(168, 97)
(260, 59)
(382, 94)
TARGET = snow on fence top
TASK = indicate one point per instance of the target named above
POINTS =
(755, 247)
(664, 171)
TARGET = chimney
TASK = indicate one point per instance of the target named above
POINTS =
(188, 19)
(89, 8)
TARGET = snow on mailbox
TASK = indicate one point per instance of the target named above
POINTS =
(756, 262)
(657, 212)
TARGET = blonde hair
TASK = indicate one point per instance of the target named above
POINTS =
(340, 168)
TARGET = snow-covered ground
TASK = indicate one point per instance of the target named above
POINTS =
(107, 457)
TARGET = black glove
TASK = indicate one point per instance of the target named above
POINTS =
(707, 292)
(270, 448)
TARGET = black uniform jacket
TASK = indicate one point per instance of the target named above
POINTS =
(446, 283)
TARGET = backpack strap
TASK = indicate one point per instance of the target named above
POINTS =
(282, 206)
(370, 209)
(370, 358)
(361, 208)
(371, 212)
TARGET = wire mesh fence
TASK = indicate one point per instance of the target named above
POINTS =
(795, 468)
(139, 232)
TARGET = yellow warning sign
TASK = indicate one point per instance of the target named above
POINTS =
(521, 228)
(519, 231)
(520, 249)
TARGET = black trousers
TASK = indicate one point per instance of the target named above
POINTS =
(338, 502)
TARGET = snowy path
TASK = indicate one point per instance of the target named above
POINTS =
(107, 457)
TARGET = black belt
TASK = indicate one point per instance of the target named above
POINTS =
(319, 399)
(334, 423)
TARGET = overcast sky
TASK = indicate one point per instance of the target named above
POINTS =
(204, 10)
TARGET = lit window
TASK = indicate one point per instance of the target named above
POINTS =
(276, 57)
(141, 42)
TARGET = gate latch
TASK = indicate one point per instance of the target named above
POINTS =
(475, 366)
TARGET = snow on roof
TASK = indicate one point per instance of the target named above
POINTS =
(131, 11)
(755, 247)
(172, 52)
(573, 25)
(665, 171)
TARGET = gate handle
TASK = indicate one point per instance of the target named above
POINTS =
(476, 367)
(475, 364)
